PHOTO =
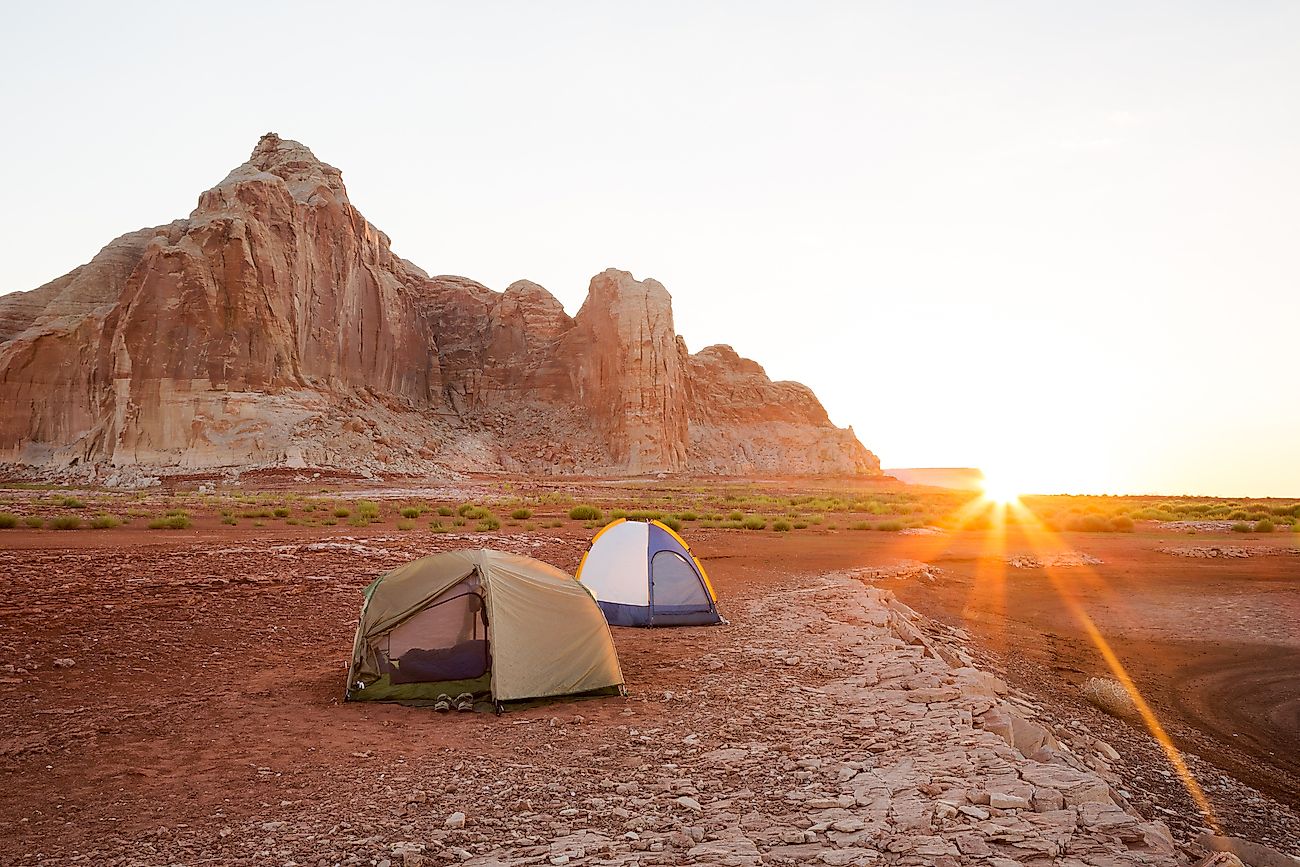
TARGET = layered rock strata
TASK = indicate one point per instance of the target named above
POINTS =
(275, 327)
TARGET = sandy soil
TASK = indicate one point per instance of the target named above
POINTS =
(209, 665)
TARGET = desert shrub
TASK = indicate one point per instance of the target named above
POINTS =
(735, 516)
(645, 515)
(615, 514)
(889, 526)
(230, 520)
(105, 522)
(7, 520)
(584, 513)
(179, 521)
(488, 524)
(860, 525)
(1241, 527)
(445, 511)
(1122, 524)
(1238, 514)
(34, 522)
(368, 509)
(521, 514)
(473, 512)
(410, 512)
(1088, 524)
(687, 516)
(72, 503)
(1264, 526)
(65, 522)
(358, 520)
(341, 512)
(291, 522)
(670, 521)
(406, 525)
(781, 526)
(754, 523)
(1110, 696)
(260, 513)
(281, 513)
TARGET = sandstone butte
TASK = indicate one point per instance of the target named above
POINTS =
(274, 327)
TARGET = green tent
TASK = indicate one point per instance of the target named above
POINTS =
(498, 625)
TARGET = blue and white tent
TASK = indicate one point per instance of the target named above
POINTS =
(643, 574)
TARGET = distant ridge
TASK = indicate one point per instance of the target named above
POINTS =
(959, 478)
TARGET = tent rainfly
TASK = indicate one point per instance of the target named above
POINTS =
(643, 574)
(486, 622)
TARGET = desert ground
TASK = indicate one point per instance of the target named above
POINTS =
(172, 693)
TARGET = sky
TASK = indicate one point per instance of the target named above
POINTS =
(1060, 242)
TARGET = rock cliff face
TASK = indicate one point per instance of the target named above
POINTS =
(275, 327)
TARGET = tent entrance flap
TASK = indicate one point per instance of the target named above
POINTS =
(446, 641)
(674, 585)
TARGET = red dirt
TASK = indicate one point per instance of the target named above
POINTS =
(210, 662)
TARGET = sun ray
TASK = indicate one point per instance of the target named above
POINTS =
(1063, 584)
(988, 594)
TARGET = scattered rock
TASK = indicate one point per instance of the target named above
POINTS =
(1052, 561)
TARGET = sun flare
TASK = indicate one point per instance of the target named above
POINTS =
(1000, 490)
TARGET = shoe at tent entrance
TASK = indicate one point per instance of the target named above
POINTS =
(643, 574)
(500, 626)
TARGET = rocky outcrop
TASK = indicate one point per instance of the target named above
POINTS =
(741, 421)
(275, 326)
(630, 370)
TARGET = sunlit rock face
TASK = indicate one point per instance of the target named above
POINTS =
(275, 327)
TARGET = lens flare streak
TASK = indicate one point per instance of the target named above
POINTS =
(1036, 533)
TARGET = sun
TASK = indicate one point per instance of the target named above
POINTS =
(1000, 490)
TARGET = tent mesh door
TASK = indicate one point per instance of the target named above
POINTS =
(447, 641)
(675, 584)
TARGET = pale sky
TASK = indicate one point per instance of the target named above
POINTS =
(1062, 244)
